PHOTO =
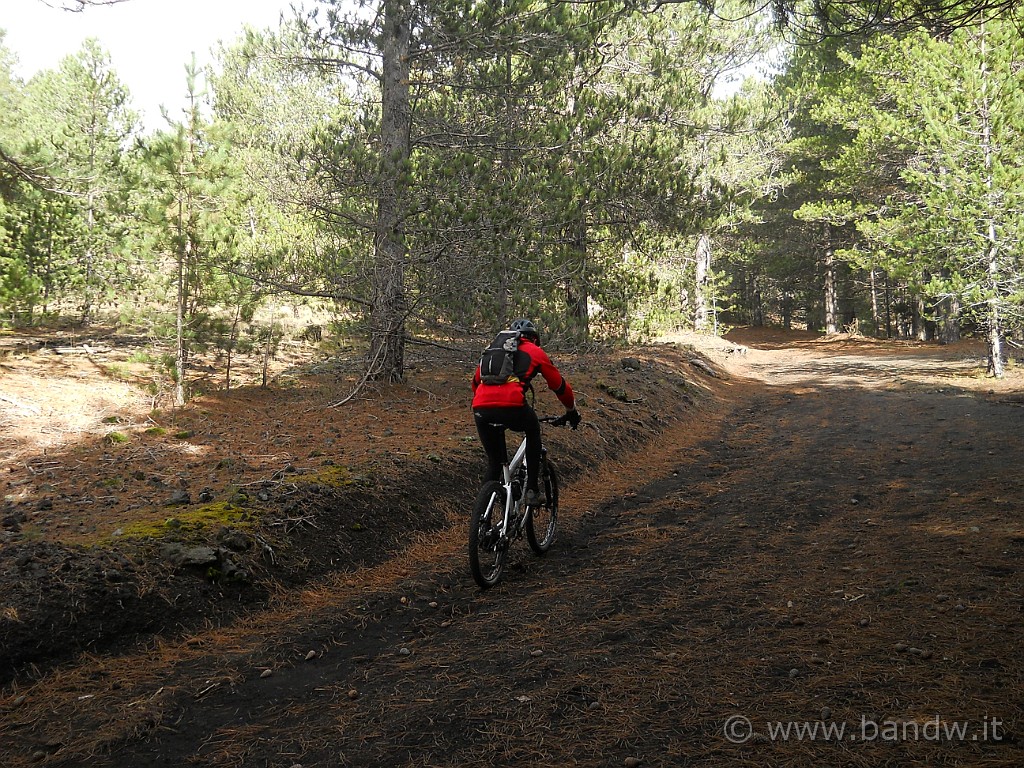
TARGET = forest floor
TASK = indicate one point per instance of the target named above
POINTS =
(777, 530)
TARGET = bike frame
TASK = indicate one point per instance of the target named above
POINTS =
(508, 472)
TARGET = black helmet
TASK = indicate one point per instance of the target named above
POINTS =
(527, 329)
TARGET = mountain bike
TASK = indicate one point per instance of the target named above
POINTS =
(500, 517)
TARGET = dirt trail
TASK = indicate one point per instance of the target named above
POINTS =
(838, 542)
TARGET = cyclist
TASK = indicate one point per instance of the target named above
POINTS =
(497, 407)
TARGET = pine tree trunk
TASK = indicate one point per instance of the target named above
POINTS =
(90, 223)
(232, 341)
(995, 330)
(948, 326)
(831, 294)
(577, 294)
(875, 317)
(995, 342)
(179, 320)
(757, 305)
(920, 319)
(48, 279)
(387, 316)
(995, 325)
(702, 284)
(888, 307)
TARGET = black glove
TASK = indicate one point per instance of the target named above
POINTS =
(573, 417)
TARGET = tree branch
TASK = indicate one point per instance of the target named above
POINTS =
(298, 290)
(77, 6)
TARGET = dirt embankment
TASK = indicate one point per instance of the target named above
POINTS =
(120, 521)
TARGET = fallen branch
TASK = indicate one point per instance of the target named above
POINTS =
(85, 349)
(696, 362)
(371, 370)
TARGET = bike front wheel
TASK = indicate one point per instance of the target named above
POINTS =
(487, 550)
(542, 521)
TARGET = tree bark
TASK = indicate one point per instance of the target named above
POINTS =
(888, 307)
(921, 330)
(577, 294)
(757, 305)
(388, 313)
(702, 284)
(180, 365)
(948, 326)
(995, 330)
(831, 294)
(875, 317)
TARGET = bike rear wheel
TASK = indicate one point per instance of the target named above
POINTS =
(542, 521)
(487, 551)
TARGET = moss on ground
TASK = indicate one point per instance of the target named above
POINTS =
(189, 521)
(331, 475)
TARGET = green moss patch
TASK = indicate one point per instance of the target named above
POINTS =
(617, 392)
(188, 521)
(332, 475)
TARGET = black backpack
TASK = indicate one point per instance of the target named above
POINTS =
(503, 361)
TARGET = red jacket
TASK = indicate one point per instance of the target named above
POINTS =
(513, 393)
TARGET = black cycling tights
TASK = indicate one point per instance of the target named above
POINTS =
(522, 419)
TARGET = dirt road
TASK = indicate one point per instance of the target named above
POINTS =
(835, 546)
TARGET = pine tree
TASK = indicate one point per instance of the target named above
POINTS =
(187, 177)
(82, 125)
(951, 112)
